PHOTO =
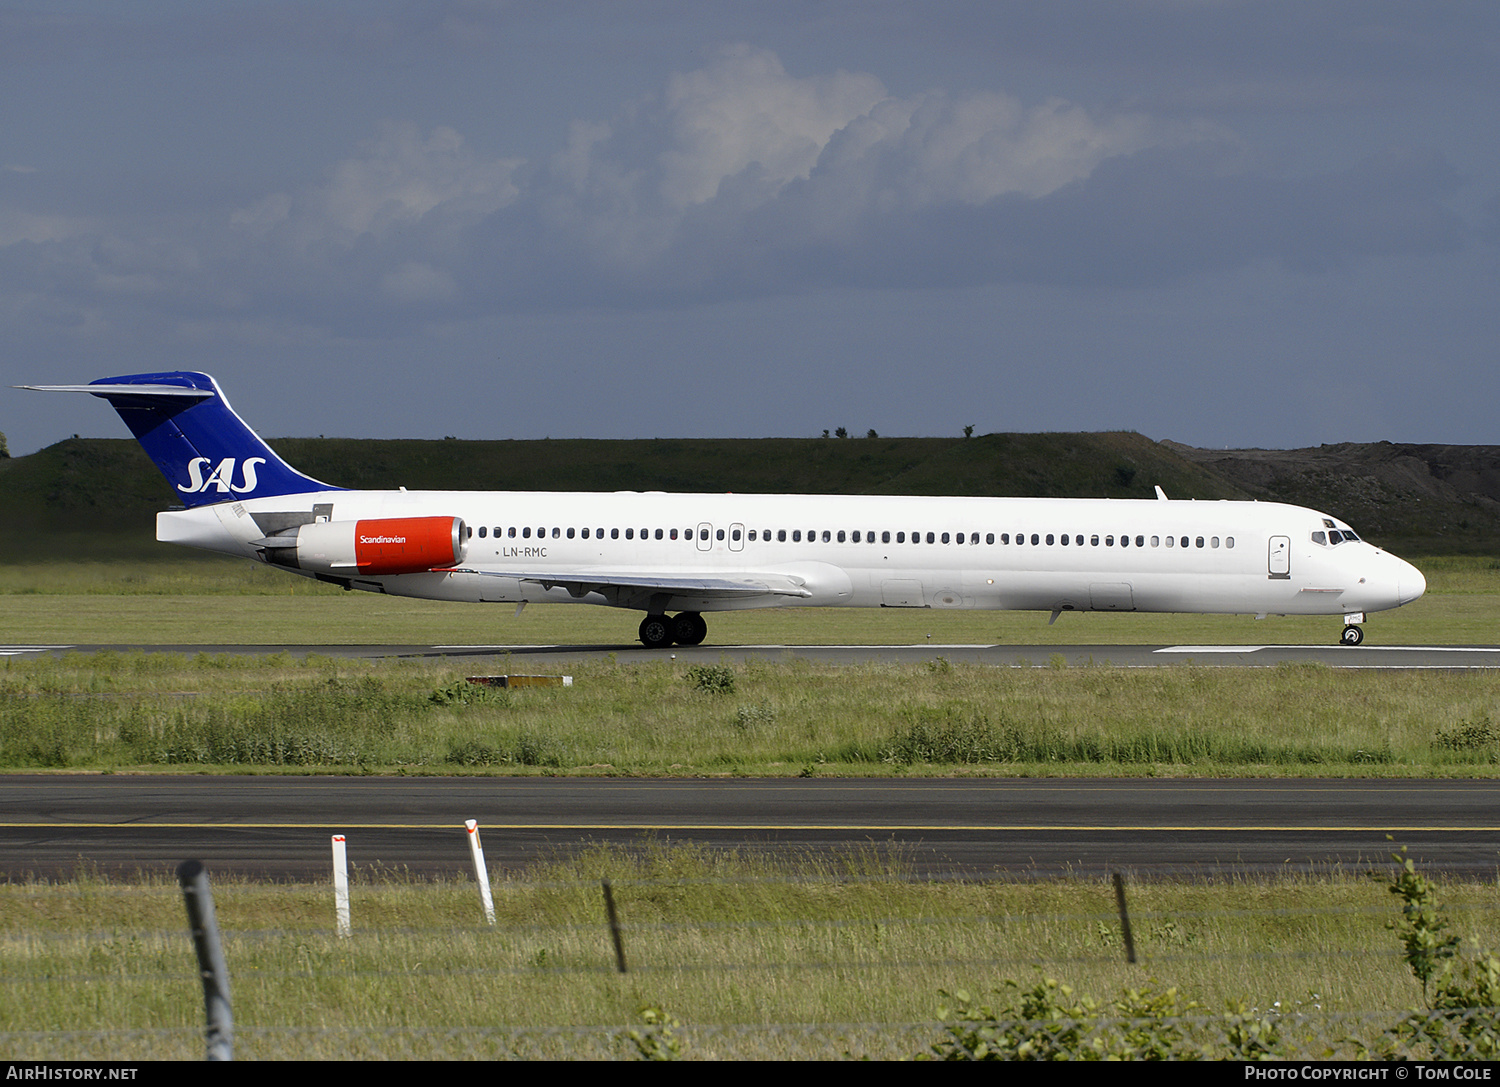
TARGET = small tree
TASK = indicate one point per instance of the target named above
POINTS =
(841, 432)
(969, 431)
(5, 449)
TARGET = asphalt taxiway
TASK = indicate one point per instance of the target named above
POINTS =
(1450, 657)
(280, 827)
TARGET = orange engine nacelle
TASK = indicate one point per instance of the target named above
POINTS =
(384, 545)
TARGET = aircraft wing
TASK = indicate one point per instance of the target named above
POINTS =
(619, 583)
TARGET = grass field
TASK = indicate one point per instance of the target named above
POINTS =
(641, 714)
(656, 716)
(755, 957)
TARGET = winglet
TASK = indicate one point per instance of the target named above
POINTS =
(1161, 495)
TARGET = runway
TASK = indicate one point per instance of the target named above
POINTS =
(279, 827)
(1448, 658)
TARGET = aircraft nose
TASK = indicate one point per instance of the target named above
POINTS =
(1410, 584)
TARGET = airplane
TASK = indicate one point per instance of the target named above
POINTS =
(676, 556)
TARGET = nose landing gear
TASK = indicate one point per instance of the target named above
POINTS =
(684, 628)
(1352, 635)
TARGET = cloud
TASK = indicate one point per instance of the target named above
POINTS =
(396, 181)
(738, 179)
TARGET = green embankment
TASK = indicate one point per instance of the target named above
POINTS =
(97, 498)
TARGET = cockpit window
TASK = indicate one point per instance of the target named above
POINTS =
(1320, 539)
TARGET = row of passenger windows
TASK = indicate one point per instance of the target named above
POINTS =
(796, 535)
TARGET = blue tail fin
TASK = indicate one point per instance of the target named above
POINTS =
(204, 449)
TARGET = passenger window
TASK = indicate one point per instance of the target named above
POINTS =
(885, 537)
(1228, 541)
(796, 535)
(719, 534)
(1200, 541)
(945, 537)
(1035, 539)
(1109, 541)
(841, 535)
(1213, 542)
(735, 536)
(1049, 539)
(1094, 540)
(989, 537)
(781, 535)
(1155, 541)
(526, 532)
(825, 535)
(659, 533)
(570, 534)
(931, 537)
(1184, 541)
(614, 534)
(900, 537)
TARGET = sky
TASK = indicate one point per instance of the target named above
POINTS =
(1223, 223)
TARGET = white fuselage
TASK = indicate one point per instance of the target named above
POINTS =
(858, 551)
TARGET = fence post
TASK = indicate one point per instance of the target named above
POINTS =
(481, 873)
(219, 1029)
(1124, 918)
(341, 884)
(614, 927)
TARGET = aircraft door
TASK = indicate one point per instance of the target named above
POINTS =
(1279, 557)
(705, 536)
(736, 537)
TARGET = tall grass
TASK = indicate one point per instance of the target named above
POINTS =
(118, 710)
(722, 940)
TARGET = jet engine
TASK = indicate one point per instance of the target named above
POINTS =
(383, 545)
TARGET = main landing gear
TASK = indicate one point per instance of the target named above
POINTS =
(684, 628)
(1352, 635)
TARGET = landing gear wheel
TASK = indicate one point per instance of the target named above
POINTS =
(688, 628)
(656, 632)
(1352, 635)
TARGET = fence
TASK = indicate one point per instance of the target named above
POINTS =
(739, 964)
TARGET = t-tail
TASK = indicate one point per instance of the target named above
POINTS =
(186, 426)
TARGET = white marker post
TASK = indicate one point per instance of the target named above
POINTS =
(481, 873)
(341, 884)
